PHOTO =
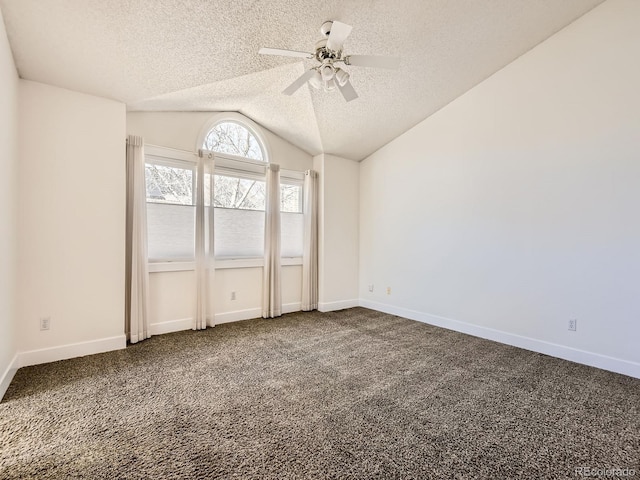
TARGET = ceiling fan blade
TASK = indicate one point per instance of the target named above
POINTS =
(375, 61)
(339, 33)
(284, 53)
(348, 92)
(291, 89)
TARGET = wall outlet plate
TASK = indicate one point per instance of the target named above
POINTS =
(573, 324)
(45, 323)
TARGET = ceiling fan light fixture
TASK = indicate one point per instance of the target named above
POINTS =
(316, 80)
(342, 77)
(330, 85)
(328, 72)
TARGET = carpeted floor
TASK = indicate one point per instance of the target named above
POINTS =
(350, 394)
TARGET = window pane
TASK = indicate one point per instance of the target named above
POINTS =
(292, 231)
(170, 231)
(235, 192)
(238, 233)
(169, 184)
(290, 198)
(233, 138)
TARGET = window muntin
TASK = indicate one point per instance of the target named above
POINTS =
(235, 139)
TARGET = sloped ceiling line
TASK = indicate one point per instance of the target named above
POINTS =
(189, 55)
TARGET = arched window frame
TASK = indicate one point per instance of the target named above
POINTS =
(232, 117)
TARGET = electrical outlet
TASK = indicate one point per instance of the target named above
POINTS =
(45, 323)
(573, 324)
(233, 295)
(388, 290)
(371, 288)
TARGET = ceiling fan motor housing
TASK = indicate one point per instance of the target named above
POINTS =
(323, 53)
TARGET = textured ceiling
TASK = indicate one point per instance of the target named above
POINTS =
(197, 55)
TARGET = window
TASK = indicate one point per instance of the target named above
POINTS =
(239, 196)
(291, 218)
(239, 216)
(235, 139)
(239, 193)
(170, 209)
(239, 201)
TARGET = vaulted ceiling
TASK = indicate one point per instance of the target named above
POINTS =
(198, 55)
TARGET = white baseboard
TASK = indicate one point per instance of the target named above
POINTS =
(171, 326)
(291, 307)
(340, 305)
(7, 376)
(251, 313)
(591, 359)
(225, 317)
(238, 315)
(63, 352)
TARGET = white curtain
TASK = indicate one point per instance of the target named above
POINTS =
(310, 248)
(136, 270)
(271, 294)
(204, 242)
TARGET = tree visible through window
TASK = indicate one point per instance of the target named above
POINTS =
(233, 138)
(238, 198)
(233, 192)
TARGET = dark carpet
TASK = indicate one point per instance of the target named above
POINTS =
(350, 394)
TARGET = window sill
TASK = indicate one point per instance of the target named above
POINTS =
(220, 264)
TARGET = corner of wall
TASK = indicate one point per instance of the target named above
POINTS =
(9, 98)
(338, 231)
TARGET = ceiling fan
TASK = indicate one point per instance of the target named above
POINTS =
(327, 75)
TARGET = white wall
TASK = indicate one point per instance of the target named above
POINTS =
(172, 298)
(8, 210)
(71, 222)
(515, 208)
(181, 130)
(338, 231)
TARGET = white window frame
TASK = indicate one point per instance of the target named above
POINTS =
(235, 117)
(225, 164)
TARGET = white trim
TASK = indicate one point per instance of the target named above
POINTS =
(171, 326)
(224, 263)
(251, 313)
(290, 261)
(220, 318)
(591, 359)
(72, 350)
(238, 315)
(226, 164)
(156, 267)
(170, 153)
(339, 305)
(220, 264)
(291, 177)
(291, 307)
(7, 376)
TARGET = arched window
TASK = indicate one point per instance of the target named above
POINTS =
(235, 139)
